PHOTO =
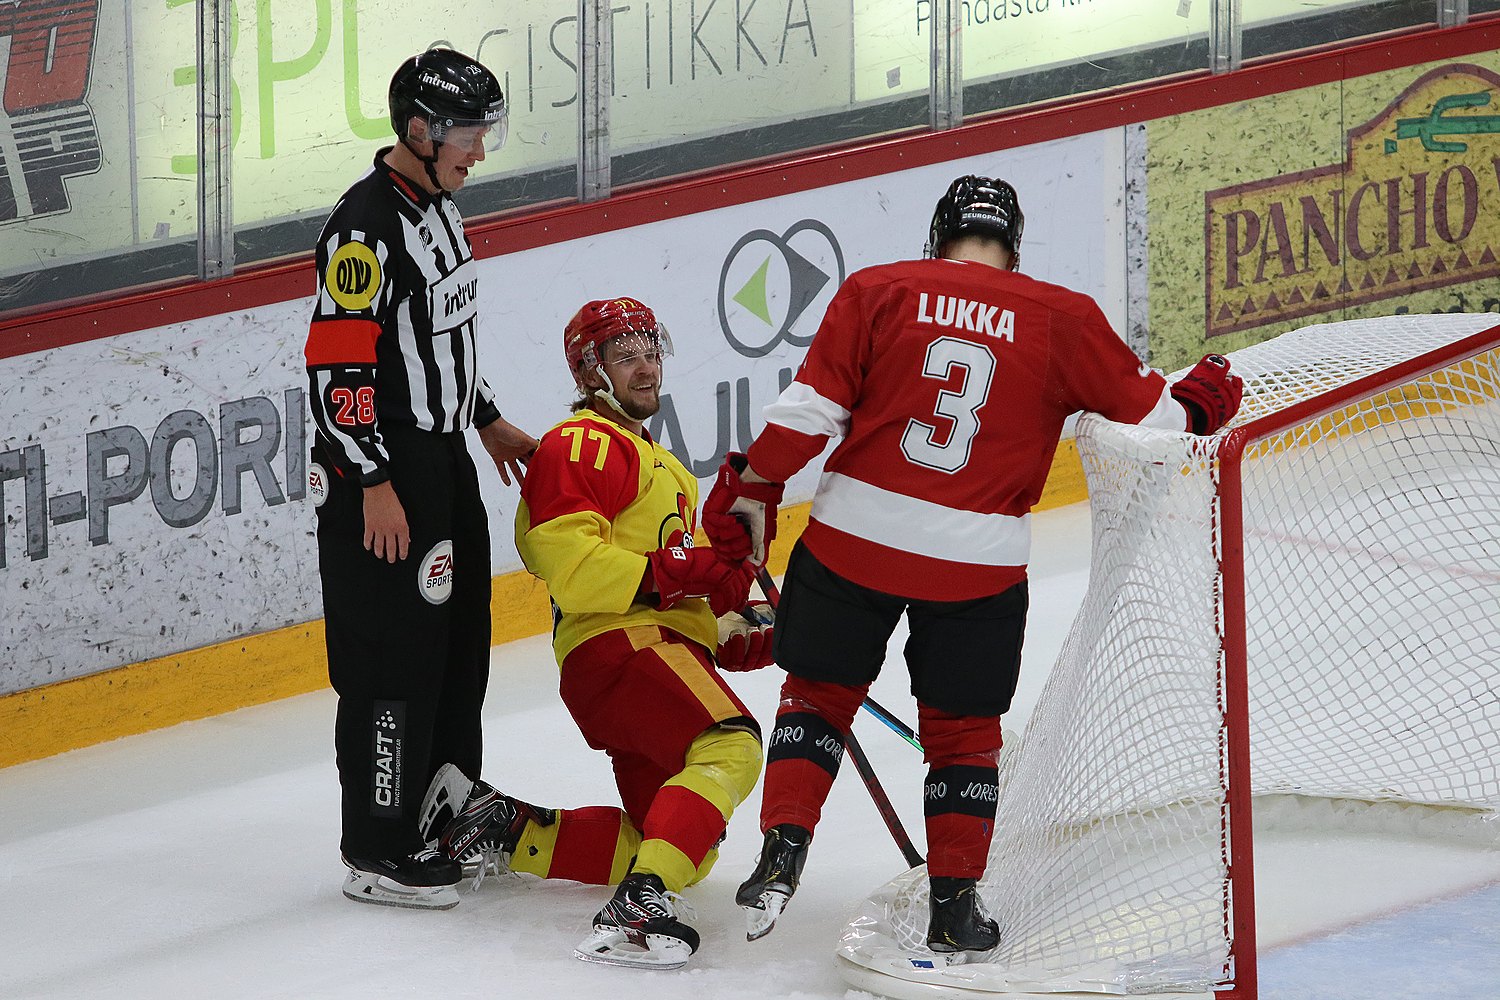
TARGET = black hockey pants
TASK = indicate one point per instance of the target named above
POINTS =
(409, 642)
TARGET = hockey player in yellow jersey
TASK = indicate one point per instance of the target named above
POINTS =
(643, 624)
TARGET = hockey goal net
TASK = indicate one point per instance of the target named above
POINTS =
(1302, 605)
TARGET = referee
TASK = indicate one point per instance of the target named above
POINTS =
(403, 539)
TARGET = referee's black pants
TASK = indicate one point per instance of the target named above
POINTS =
(408, 649)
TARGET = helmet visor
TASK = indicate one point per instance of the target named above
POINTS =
(488, 134)
(635, 345)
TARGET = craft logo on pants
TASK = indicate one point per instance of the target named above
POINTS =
(389, 732)
(435, 573)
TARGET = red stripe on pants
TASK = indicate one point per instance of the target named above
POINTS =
(586, 840)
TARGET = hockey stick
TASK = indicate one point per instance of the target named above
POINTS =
(883, 803)
(861, 762)
(870, 705)
(900, 728)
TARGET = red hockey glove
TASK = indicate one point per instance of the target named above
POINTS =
(678, 573)
(745, 638)
(1210, 393)
(739, 517)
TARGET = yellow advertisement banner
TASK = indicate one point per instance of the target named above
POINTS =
(1372, 196)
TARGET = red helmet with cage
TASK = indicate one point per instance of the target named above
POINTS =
(604, 320)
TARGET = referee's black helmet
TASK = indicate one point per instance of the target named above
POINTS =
(450, 91)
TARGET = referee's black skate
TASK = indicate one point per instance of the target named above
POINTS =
(959, 926)
(421, 881)
(771, 885)
(484, 829)
(640, 928)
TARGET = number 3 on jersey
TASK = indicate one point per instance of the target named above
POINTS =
(960, 405)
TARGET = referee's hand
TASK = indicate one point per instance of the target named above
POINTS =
(386, 533)
(510, 448)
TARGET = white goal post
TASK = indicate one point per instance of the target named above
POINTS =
(1304, 604)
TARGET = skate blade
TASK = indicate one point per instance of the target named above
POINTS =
(619, 948)
(384, 892)
(759, 920)
(949, 959)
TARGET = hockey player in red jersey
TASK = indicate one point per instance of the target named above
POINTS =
(643, 623)
(948, 381)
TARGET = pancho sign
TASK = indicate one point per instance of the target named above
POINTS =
(1415, 205)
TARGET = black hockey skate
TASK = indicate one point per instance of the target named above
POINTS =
(639, 928)
(959, 926)
(770, 887)
(420, 881)
(484, 830)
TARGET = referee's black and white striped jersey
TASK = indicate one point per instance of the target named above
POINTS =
(393, 333)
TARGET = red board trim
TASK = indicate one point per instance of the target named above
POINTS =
(117, 313)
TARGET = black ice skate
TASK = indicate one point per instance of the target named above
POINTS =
(959, 926)
(639, 928)
(420, 881)
(778, 870)
(484, 830)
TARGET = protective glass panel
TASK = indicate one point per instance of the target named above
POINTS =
(701, 84)
(97, 144)
(1483, 7)
(1019, 52)
(1278, 26)
(311, 83)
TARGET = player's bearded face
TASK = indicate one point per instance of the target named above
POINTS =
(634, 366)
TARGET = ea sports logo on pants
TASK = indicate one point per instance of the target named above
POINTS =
(435, 576)
(317, 484)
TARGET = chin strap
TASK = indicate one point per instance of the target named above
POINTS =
(608, 393)
(430, 162)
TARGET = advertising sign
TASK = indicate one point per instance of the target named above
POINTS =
(154, 487)
(98, 140)
(1363, 198)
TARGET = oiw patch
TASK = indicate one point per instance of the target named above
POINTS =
(435, 573)
(388, 734)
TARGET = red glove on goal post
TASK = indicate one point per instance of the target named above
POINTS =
(1210, 393)
(739, 518)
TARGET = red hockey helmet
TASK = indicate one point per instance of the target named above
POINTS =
(602, 321)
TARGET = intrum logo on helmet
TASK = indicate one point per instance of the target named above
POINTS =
(433, 80)
(767, 285)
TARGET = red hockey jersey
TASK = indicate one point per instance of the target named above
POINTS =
(949, 383)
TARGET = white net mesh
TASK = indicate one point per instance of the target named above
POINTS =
(1371, 547)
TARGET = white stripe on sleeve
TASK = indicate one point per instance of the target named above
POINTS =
(800, 408)
(1167, 414)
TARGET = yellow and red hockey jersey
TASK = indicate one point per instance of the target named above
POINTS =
(595, 500)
